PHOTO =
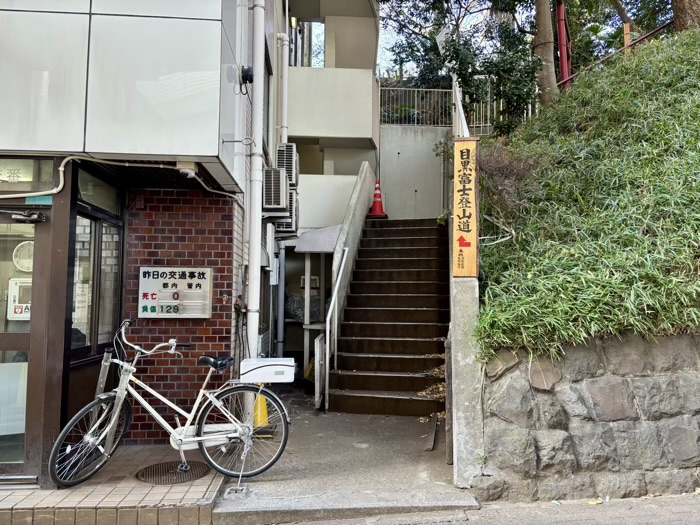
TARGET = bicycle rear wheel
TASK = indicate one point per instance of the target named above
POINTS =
(262, 437)
(79, 453)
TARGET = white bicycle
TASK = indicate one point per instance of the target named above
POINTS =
(241, 429)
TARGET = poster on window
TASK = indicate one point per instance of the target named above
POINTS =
(179, 293)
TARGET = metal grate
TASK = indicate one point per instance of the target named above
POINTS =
(168, 474)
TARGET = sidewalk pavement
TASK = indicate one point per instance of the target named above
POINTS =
(115, 497)
(665, 510)
(340, 465)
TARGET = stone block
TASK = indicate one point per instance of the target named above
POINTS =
(148, 516)
(657, 397)
(683, 445)
(499, 365)
(510, 448)
(689, 390)
(168, 516)
(572, 401)
(64, 517)
(620, 485)
(583, 361)
(627, 356)
(554, 452)
(43, 517)
(673, 354)
(670, 481)
(520, 489)
(6, 516)
(594, 446)
(22, 517)
(639, 446)
(129, 517)
(577, 486)
(189, 515)
(544, 374)
(204, 515)
(550, 412)
(85, 517)
(610, 398)
(511, 400)
(106, 516)
(488, 488)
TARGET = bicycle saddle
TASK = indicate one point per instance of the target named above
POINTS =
(217, 363)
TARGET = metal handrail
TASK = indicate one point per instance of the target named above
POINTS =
(332, 327)
(617, 51)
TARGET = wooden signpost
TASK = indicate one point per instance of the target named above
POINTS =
(465, 249)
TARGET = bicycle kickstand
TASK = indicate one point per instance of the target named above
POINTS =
(184, 466)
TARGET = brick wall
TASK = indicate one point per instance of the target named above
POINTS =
(188, 229)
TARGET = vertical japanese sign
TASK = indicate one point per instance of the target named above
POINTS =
(175, 292)
(465, 249)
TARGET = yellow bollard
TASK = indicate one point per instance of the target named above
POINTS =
(260, 413)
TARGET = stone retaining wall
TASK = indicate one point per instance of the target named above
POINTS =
(617, 418)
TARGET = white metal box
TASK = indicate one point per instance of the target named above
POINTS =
(270, 370)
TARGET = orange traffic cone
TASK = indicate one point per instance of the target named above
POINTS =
(377, 211)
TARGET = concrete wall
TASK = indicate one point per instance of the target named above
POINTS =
(336, 106)
(349, 161)
(323, 200)
(351, 42)
(617, 418)
(410, 173)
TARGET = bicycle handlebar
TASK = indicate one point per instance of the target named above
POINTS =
(171, 343)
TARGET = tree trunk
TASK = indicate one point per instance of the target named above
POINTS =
(543, 47)
(686, 14)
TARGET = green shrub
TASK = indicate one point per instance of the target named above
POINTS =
(607, 225)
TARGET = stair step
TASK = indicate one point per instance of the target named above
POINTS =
(413, 330)
(399, 287)
(383, 403)
(433, 231)
(402, 264)
(388, 362)
(402, 223)
(406, 315)
(398, 301)
(404, 242)
(388, 345)
(394, 381)
(402, 253)
(401, 275)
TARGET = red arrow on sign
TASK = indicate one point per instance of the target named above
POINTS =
(463, 243)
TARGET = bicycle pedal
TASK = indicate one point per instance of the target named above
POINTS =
(183, 467)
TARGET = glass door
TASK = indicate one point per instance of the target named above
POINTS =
(16, 269)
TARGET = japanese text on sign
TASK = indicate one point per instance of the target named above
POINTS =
(466, 210)
(175, 292)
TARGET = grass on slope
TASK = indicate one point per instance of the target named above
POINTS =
(608, 224)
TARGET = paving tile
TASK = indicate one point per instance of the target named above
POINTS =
(22, 517)
(85, 517)
(127, 516)
(106, 517)
(148, 517)
(65, 517)
(44, 517)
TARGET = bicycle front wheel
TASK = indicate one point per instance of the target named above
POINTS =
(79, 452)
(253, 446)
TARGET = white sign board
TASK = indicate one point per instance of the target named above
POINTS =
(179, 293)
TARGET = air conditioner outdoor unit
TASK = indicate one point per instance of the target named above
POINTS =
(275, 191)
(288, 159)
(289, 226)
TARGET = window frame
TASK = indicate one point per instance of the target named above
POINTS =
(98, 217)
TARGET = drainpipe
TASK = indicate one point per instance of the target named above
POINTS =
(283, 40)
(279, 343)
(256, 179)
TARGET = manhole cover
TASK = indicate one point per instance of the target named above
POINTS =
(168, 474)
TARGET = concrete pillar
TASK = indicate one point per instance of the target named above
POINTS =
(467, 416)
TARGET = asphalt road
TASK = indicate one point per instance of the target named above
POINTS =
(666, 510)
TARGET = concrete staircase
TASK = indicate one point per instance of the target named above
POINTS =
(395, 322)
